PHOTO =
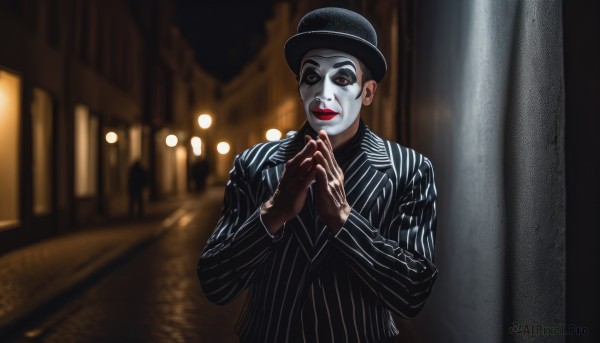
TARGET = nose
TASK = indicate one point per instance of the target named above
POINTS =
(326, 92)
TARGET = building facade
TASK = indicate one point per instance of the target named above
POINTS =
(86, 89)
(265, 94)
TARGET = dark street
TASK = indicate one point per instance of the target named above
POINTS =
(152, 296)
(436, 163)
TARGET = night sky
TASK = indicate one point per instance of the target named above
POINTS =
(224, 34)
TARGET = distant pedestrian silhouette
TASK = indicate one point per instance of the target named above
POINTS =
(200, 173)
(137, 181)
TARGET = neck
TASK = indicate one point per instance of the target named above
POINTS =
(343, 138)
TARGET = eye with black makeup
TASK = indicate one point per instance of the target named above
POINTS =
(310, 77)
(344, 77)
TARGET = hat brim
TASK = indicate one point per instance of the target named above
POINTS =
(301, 43)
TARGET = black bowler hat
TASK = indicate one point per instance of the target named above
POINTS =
(337, 29)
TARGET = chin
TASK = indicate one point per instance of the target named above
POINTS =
(332, 128)
(329, 129)
(332, 131)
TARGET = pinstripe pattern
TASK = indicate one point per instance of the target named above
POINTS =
(308, 285)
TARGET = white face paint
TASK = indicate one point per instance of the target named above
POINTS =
(330, 89)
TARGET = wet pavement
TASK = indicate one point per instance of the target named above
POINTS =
(151, 295)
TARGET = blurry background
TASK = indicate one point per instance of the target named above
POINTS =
(502, 96)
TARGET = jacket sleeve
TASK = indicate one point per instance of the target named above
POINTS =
(399, 267)
(238, 245)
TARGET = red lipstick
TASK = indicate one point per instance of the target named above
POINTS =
(324, 113)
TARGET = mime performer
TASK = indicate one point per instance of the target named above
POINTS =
(332, 229)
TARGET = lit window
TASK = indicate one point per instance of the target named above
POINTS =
(86, 152)
(41, 128)
(135, 143)
(10, 116)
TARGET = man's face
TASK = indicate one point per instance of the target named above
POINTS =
(330, 89)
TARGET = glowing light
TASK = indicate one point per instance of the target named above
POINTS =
(223, 148)
(171, 140)
(196, 146)
(273, 135)
(205, 120)
(112, 137)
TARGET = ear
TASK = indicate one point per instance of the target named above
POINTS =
(369, 92)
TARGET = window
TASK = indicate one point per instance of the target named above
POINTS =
(10, 117)
(86, 152)
(116, 156)
(41, 121)
(135, 143)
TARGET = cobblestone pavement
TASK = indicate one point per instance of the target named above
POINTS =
(154, 296)
(19, 285)
(35, 275)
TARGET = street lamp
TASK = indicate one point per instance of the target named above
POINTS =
(112, 137)
(196, 146)
(171, 141)
(223, 148)
(273, 135)
(204, 120)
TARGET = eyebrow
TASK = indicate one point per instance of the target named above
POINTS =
(309, 61)
(341, 64)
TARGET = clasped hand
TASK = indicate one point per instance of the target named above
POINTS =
(315, 162)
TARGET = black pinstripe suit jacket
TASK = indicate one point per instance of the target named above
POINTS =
(308, 285)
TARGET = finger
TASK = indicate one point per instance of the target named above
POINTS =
(324, 148)
(306, 173)
(302, 169)
(321, 175)
(309, 177)
(307, 139)
(325, 195)
(328, 154)
(299, 181)
(303, 180)
(308, 149)
(339, 193)
(325, 138)
(322, 161)
(292, 170)
(306, 164)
